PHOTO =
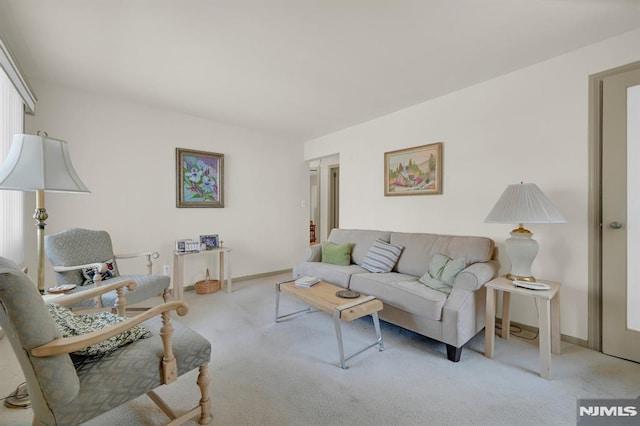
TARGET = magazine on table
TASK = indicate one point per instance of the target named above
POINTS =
(307, 281)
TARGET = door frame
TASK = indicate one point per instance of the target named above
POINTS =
(595, 204)
(333, 211)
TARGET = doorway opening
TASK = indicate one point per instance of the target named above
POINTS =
(324, 197)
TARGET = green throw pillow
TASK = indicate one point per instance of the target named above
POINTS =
(442, 272)
(451, 270)
(337, 254)
(437, 265)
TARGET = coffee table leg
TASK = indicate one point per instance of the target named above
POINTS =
(277, 301)
(376, 324)
(279, 317)
(336, 322)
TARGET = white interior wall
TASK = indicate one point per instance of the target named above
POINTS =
(530, 125)
(125, 154)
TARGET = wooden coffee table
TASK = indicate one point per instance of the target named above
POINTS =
(322, 296)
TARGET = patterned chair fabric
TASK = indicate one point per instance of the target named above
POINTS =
(62, 393)
(78, 246)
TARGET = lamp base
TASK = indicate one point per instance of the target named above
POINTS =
(512, 277)
(521, 250)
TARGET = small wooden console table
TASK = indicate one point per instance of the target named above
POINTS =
(224, 264)
(548, 317)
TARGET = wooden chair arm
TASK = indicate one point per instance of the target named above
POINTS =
(96, 265)
(66, 345)
(70, 299)
(152, 254)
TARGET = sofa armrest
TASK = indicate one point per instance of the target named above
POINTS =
(313, 253)
(474, 276)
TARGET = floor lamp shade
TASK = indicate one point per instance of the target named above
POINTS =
(41, 164)
(519, 204)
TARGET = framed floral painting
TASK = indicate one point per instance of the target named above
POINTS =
(199, 178)
(413, 171)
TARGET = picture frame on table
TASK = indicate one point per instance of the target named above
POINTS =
(187, 246)
(199, 178)
(413, 171)
(209, 242)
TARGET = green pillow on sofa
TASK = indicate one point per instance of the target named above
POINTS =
(337, 254)
(442, 272)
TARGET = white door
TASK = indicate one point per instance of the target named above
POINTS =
(621, 215)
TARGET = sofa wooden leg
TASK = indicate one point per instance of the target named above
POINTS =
(453, 353)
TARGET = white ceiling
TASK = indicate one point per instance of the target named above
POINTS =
(296, 68)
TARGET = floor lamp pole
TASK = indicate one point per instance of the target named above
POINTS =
(40, 216)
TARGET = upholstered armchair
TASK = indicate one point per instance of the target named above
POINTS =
(66, 390)
(85, 257)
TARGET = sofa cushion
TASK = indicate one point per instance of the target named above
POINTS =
(334, 274)
(451, 270)
(337, 254)
(438, 262)
(401, 291)
(382, 256)
(420, 248)
(361, 239)
(442, 272)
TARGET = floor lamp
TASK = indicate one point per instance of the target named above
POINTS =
(37, 163)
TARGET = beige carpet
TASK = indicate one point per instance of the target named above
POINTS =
(286, 374)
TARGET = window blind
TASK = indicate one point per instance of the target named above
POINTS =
(11, 202)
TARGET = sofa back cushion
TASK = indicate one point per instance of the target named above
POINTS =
(362, 241)
(419, 249)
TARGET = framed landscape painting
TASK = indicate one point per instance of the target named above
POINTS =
(199, 178)
(413, 171)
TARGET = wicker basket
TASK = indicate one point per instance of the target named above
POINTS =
(207, 285)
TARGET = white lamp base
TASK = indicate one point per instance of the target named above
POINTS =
(522, 250)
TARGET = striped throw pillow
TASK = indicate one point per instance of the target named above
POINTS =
(382, 256)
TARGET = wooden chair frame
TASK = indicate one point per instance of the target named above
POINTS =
(67, 345)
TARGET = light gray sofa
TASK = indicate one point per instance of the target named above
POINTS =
(450, 318)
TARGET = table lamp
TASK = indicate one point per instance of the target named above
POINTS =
(41, 164)
(519, 204)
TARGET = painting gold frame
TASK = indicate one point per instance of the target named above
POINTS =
(199, 178)
(413, 171)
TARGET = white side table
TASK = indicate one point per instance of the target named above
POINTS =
(548, 318)
(224, 254)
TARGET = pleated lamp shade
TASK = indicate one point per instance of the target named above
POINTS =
(524, 203)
